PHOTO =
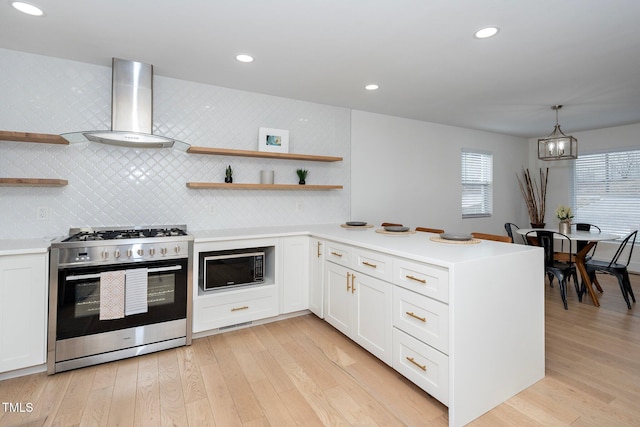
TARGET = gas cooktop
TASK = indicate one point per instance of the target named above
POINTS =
(110, 233)
(108, 245)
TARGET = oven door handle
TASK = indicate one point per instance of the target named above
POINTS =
(97, 275)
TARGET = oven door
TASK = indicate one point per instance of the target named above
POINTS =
(78, 306)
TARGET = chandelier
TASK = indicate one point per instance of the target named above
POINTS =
(557, 146)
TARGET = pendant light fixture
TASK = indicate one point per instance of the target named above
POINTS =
(557, 146)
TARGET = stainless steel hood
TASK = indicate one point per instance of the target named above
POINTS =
(131, 110)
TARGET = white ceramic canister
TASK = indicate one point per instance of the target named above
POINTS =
(266, 177)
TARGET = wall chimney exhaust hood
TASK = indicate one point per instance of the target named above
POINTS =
(131, 110)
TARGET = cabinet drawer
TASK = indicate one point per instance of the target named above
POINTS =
(423, 365)
(373, 263)
(339, 254)
(422, 317)
(221, 309)
(424, 279)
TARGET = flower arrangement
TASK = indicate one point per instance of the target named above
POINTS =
(564, 213)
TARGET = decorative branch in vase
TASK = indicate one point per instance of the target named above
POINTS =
(534, 195)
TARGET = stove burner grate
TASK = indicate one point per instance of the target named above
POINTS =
(125, 234)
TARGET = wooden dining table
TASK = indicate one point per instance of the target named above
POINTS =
(590, 238)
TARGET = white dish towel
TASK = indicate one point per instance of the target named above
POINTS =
(136, 291)
(112, 285)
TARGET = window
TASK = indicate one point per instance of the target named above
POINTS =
(477, 183)
(606, 190)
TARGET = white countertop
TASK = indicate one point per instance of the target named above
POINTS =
(23, 246)
(417, 246)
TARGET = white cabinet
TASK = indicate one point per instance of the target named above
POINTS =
(234, 306)
(295, 274)
(359, 306)
(23, 310)
(316, 265)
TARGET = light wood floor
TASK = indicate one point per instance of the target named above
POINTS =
(301, 371)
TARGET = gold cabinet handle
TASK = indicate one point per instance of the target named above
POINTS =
(412, 360)
(318, 250)
(348, 285)
(336, 254)
(412, 314)
(353, 286)
(368, 264)
(416, 279)
(244, 307)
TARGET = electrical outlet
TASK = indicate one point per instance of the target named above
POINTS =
(211, 210)
(42, 213)
(299, 207)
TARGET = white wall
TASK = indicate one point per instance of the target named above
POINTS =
(111, 186)
(408, 171)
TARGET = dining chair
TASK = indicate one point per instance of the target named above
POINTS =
(430, 230)
(510, 228)
(583, 226)
(494, 237)
(390, 224)
(616, 268)
(562, 270)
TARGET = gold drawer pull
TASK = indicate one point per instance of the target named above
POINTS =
(422, 319)
(353, 285)
(348, 286)
(240, 308)
(369, 264)
(336, 254)
(411, 359)
(416, 279)
(318, 251)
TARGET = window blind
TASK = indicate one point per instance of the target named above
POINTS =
(606, 190)
(477, 183)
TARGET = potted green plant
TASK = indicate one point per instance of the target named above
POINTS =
(228, 175)
(302, 175)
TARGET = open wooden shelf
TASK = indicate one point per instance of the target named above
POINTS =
(225, 186)
(33, 182)
(44, 138)
(260, 154)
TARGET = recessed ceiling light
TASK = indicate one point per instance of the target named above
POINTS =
(371, 87)
(27, 8)
(486, 32)
(244, 58)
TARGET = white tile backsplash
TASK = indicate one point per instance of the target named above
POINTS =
(124, 186)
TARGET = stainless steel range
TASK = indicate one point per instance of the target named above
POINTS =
(118, 292)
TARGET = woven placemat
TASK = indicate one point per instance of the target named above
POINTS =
(455, 242)
(395, 233)
(356, 226)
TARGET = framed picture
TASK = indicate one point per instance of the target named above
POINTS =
(273, 140)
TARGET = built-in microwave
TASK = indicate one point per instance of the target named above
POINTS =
(226, 269)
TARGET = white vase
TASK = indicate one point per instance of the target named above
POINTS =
(565, 227)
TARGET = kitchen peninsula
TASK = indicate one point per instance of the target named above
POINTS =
(465, 322)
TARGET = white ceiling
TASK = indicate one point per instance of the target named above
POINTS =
(584, 54)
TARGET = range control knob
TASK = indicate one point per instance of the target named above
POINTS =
(105, 254)
(129, 253)
(177, 249)
(117, 253)
(140, 252)
(163, 251)
(152, 251)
